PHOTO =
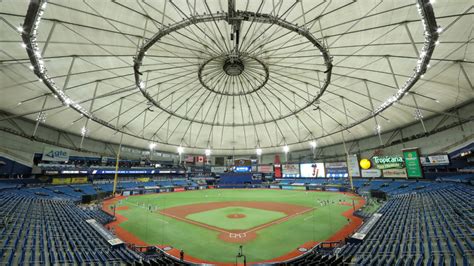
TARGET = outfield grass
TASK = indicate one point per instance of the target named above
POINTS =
(271, 242)
(218, 217)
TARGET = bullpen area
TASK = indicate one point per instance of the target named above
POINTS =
(210, 225)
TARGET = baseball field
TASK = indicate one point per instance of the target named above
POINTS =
(210, 225)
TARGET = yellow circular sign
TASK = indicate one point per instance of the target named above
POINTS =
(365, 163)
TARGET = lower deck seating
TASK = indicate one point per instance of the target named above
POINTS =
(43, 231)
(431, 227)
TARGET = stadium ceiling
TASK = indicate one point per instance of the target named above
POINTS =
(234, 76)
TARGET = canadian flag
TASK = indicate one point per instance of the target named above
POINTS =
(200, 159)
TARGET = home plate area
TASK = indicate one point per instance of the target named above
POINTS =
(237, 235)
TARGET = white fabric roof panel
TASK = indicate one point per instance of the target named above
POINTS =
(375, 46)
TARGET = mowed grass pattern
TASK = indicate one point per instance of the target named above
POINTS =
(271, 242)
(253, 217)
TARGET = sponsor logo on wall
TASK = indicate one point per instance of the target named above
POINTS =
(265, 168)
(388, 162)
(218, 169)
(371, 173)
(412, 162)
(435, 160)
(353, 165)
(55, 154)
(395, 173)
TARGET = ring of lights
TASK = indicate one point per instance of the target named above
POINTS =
(206, 82)
(36, 11)
(244, 15)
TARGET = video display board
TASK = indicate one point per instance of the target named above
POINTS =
(312, 170)
(291, 170)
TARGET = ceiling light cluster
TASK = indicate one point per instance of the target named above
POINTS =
(84, 131)
(29, 35)
(431, 34)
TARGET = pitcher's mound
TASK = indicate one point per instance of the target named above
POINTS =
(236, 216)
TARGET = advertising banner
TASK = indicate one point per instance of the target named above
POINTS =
(336, 165)
(388, 162)
(412, 162)
(395, 173)
(143, 179)
(371, 173)
(78, 180)
(218, 169)
(61, 181)
(277, 171)
(291, 170)
(336, 172)
(135, 172)
(242, 162)
(299, 188)
(178, 189)
(265, 169)
(74, 172)
(242, 169)
(435, 160)
(312, 170)
(353, 165)
(55, 154)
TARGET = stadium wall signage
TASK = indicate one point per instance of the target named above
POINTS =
(435, 160)
(388, 162)
(336, 165)
(55, 154)
(412, 162)
(336, 169)
(265, 169)
(353, 165)
(218, 169)
(371, 173)
(396, 173)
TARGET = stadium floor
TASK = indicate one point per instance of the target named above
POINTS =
(296, 219)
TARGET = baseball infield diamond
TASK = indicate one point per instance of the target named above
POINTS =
(220, 217)
(210, 225)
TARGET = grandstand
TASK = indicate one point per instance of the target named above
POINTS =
(236, 132)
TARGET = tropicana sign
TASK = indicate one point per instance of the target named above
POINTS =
(387, 162)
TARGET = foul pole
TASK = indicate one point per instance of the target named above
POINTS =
(117, 166)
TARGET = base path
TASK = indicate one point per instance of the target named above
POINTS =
(236, 236)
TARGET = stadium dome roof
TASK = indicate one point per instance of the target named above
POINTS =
(206, 74)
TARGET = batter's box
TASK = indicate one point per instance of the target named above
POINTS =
(237, 235)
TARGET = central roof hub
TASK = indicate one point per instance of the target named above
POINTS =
(233, 66)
